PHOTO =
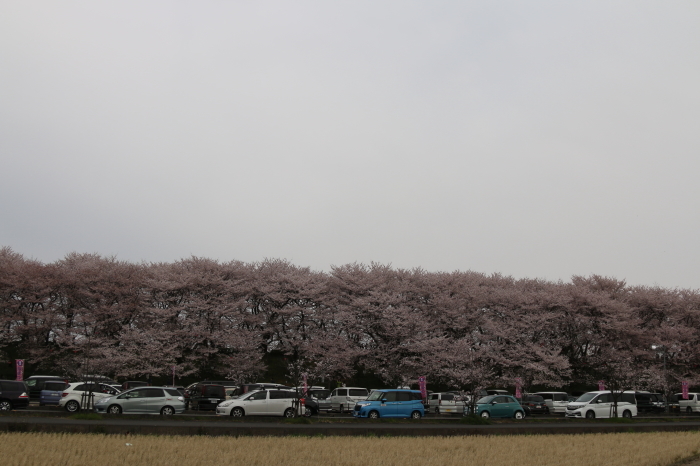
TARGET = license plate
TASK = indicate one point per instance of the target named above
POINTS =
(213, 399)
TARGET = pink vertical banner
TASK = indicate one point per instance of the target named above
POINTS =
(684, 387)
(422, 387)
(19, 367)
(306, 390)
(518, 387)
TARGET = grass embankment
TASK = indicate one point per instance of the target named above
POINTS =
(645, 449)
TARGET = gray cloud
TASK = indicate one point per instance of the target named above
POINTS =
(536, 139)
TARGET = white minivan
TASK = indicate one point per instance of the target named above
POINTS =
(344, 398)
(691, 405)
(594, 405)
(440, 403)
(556, 401)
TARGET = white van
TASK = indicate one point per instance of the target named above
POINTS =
(344, 398)
(691, 405)
(556, 401)
(440, 403)
(594, 405)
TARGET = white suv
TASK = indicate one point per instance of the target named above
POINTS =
(260, 403)
(75, 395)
(594, 405)
(344, 398)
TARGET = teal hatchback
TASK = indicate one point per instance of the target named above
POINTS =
(499, 406)
(391, 403)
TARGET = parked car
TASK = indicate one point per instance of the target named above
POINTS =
(251, 387)
(556, 401)
(497, 392)
(143, 400)
(260, 403)
(691, 405)
(534, 404)
(52, 393)
(344, 398)
(391, 404)
(673, 404)
(310, 405)
(205, 396)
(76, 395)
(13, 395)
(499, 406)
(321, 396)
(129, 384)
(441, 403)
(599, 404)
(35, 384)
(650, 402)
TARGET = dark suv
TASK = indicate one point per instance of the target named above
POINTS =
(205, 396)
(650, 402)
(534, 404)
(13, 395)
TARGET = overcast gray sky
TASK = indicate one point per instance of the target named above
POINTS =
(532, 138)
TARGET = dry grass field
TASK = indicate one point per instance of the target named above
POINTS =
(571, 450)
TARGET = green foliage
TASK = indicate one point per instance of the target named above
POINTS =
(86, 416)
(474, 420)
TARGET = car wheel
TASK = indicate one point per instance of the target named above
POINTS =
(72, 406)
(114, 409)
(5, 405)
(289, 412)
(237, 412)
(308, 412)
(590, 415)
(689, 410)
(627, 414)
(519, 415)
(167, 411)
(437, 410)
(485, 415)
(415, 415)
(373, 415)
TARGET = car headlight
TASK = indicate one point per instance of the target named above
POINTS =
(103, 401)
(362, 405)
(225, 404)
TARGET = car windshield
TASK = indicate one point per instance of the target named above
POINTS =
(586, 397)
(375, 396)
(485, 400)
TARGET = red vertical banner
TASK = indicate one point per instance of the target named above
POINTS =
(422, 387)
(19, 367)
(518, 387)
(684, 388)
(306, 389)
(601, 385)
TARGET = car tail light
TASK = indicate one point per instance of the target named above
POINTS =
(23, 395)
(64, 394)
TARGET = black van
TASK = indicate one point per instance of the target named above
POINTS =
(13, 395)
(205, 396)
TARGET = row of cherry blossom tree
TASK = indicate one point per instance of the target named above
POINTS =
(87, 313)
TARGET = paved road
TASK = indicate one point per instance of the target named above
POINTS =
(175, 426)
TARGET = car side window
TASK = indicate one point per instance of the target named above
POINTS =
(416, 396)
(403, 396)
(358, 392)
(342, 392)
(154, 393)
(390, 396)
(259, 395)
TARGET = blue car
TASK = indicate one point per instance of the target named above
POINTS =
(391, 403)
